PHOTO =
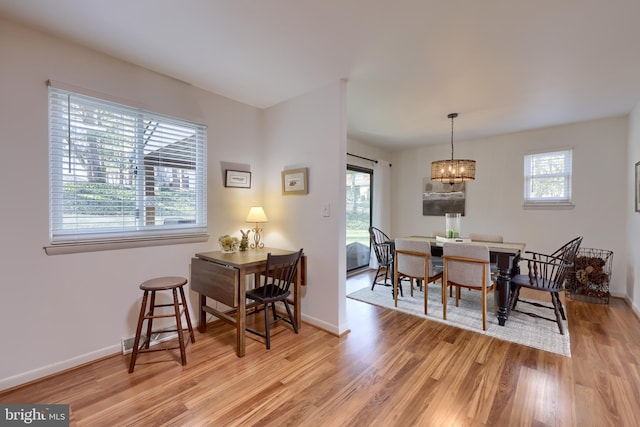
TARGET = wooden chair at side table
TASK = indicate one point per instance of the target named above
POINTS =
(467, 266)
(413, 261)
(279, 273)
(175, 285)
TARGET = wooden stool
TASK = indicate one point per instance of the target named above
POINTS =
(174, 284)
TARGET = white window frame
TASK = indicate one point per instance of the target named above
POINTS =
(532, 175)
(178, 147)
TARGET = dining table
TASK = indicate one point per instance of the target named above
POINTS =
(222, 277)
(506, 257)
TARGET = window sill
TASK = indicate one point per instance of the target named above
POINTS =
(106, 245)
(548, 205)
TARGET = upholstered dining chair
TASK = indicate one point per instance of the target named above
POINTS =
(547, 273)
(381, 245)
(278, 275)
(488, 238)
(413, 261)
(467, 266)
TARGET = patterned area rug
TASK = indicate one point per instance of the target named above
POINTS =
(519, 328)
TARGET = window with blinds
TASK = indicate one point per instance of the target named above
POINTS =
(122, 173)
(547, 178)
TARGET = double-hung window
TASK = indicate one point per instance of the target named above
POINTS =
(547, 179)
(120, 174)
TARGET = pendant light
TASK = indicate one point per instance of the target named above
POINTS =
(455, 170)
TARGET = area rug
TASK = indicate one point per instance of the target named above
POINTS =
(519, 328)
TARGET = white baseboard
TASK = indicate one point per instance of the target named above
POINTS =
(36, 374)
(328, 327)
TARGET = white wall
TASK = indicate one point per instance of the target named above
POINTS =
(59, 311)
(360, 148)
(633, 217)
(310, 131)
(495, 198)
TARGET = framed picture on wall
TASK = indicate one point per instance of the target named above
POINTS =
(294, 181)
(638, 187)
(238, 179)
(439, 198)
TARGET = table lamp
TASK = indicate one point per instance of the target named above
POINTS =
(257, 215)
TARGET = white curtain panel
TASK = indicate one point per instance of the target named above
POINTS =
(381, 193)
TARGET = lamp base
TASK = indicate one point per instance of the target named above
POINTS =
(257, 244)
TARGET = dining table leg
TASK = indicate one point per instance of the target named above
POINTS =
(202, 316)
(507, 265)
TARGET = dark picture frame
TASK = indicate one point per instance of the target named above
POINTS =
(237, 179)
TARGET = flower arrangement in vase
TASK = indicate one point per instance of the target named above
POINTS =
(228, 244)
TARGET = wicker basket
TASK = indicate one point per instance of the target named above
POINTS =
(589, 279)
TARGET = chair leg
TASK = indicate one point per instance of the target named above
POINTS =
(513, 298)
(176, 307)
(136, 342)
(186, 315)
(267, 324)
(556, 310)
(444, 299)
(426, 296)
(152, 308)
(484, 309)
(293, 321)
(556, 296)
(375, 278)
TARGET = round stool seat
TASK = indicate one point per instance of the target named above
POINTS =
(150, 287)
(163, 283)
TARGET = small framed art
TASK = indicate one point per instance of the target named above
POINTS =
(294, 181)
(237, 179)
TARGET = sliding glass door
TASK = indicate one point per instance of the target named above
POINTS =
(359, 181)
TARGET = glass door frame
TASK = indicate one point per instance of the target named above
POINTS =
(369, 171)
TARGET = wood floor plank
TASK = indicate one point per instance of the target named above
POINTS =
(393, 369)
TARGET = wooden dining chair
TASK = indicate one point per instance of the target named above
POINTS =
(467, 266)
(413, 262)
(278, 276)
(381, 244)
(547, 273)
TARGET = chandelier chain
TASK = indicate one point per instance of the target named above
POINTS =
(452, 117)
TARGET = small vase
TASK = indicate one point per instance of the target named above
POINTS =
(452, 225)
(228, 249)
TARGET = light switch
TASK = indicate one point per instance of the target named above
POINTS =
(326, 210)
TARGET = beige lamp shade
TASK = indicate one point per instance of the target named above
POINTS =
(256, 214)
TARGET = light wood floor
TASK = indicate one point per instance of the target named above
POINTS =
(391, 370)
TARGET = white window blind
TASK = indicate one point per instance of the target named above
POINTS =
(547, 178)
(122, 173)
